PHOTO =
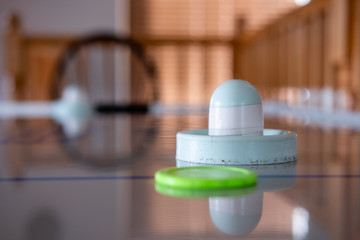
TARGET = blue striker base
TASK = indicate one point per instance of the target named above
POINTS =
(274, 146)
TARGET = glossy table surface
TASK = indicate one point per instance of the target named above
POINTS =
(98, 183)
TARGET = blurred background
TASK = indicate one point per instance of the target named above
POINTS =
(296, 52)
(301, 54)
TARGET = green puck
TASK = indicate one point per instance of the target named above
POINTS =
(203, 193)
(206, 177)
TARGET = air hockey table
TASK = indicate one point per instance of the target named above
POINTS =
(98, 183)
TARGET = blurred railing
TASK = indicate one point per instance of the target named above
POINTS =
(310, 57)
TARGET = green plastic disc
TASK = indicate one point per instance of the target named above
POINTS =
(206, 177)
(203, 193)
